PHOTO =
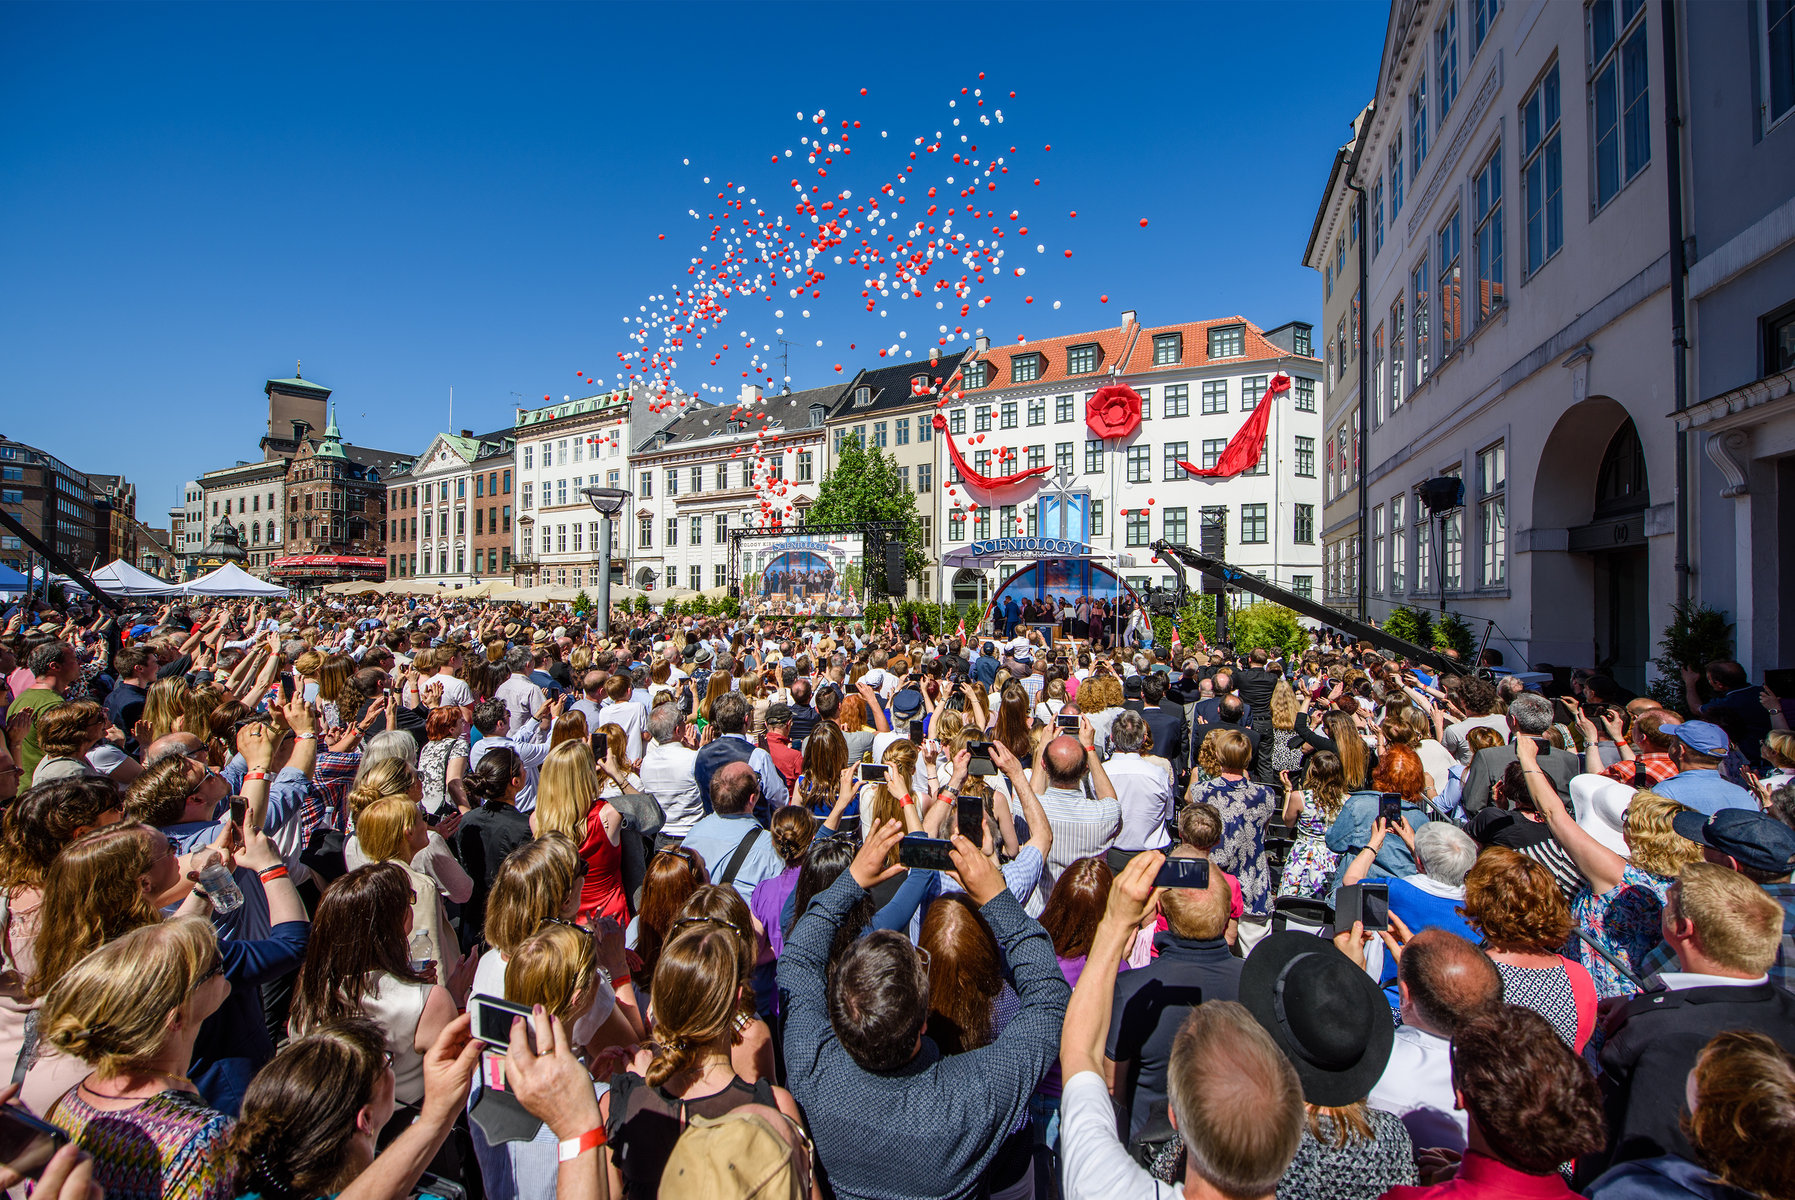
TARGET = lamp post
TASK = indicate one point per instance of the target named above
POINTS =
(608, 501)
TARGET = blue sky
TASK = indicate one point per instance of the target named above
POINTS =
(415, 197)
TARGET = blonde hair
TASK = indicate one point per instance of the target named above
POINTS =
(384, 827)
(1739, 924)
(531, 885)
(164, 705)
(566, 791)
(553, 967)
(1099, 693)
(570, 726)
(111, 1010)
(386, 778)
(1283, 706)
(900, 759)
(1653, 843)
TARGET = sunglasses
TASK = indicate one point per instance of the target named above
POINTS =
(212, 972)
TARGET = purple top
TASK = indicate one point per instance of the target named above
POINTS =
(768, 904)
(1071, 968)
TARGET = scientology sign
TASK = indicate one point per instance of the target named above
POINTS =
(1018, 547)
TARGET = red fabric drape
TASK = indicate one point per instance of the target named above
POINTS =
(1243, 449)
(971, 476)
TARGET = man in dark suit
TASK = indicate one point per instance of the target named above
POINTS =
(1256, 684)
(1171, 733)
(1529, 715)
(1725, 930)
(1207, 712)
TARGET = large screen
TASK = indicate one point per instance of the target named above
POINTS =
(804, 575)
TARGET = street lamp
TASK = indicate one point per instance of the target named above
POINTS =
(608, 501)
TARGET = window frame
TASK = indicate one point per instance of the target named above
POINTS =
(1168, 349)
(1613, 58)
(1215, 397)
(1255, 519)
(1229, 333)
(1169, 458)
(1084, 353)
(1140, 464)
(1488, 239)
(1026, 368)
(1449, 280)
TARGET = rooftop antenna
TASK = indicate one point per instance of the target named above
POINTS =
(297, 363)
(451, 406)
(785, 367)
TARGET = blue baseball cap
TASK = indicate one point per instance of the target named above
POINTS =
(1750, 838)
(1704, 737)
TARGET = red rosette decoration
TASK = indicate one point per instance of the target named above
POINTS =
(1113, 411)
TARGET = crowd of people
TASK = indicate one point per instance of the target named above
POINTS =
(307, 899)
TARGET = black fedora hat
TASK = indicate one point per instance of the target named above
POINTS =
(1327, 1015)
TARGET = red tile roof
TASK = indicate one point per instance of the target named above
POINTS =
(1112, 344)
(1196, 346)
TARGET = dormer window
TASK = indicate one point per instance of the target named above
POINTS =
(863, 396)
(920, 385)
(1025, 368)
(976, 374)
(818, 414)
(1082, 360)
(1168, 349)
(1228, 341)
(737, 425)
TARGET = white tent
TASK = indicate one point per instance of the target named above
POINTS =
(120, 578)
(231, 580)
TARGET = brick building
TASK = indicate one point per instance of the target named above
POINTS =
(55, 502)
(336, 515)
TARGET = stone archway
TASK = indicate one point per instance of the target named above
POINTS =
(970, 586)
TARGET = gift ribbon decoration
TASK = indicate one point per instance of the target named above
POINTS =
(972, 477)
(1243, 449)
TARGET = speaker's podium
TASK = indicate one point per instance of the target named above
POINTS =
(1048, 632)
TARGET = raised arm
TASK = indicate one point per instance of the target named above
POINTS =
(1085, 1034)
(1087, 737)
(1040, 830)
(1601, 866)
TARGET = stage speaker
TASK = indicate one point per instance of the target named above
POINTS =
(1442, 494)
(735, 591)
(1212, 542)
(894, 568)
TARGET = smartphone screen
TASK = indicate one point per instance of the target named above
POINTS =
(929, 854)
(26, 1143)
(239, 810)
(1374, 906)
(491, 1019)
(969, 815)
(1183, 873)
(1067, 723)
(1389, 807)
(874, 772)
(981, 763)
(286, 687)
(916, 731)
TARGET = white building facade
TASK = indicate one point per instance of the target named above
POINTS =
(561, 449)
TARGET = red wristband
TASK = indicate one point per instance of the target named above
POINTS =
(273, 873)
(572, 1148)
(255, 775)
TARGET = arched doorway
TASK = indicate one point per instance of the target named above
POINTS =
(970, 587)
(1615, 539)
(645, 578)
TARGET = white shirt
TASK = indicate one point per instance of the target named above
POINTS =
(1417, 1087)
(1144, 789)
(1677, 981)
(1453, 736)
(632, 717)
(522, 698)
(1094, 1165)
(455, 691)
(667, 775)
(1082, 827)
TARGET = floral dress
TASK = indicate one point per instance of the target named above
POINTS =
(1627, 922)
(1246, 809)
(433, 770)
(1310, 867)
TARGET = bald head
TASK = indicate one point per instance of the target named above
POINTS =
(1065, 762)
(1445, 982)
(734, 788)
(171, 744)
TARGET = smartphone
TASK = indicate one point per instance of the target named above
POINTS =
(930, 854)
(286, 688)
(969, 815)
(916, 731)
(1389, 807)
(1543, 745)
(26, 1143)
(1183, 873)
(1067, 723)
(491, 1020)
(1781, 682)
(1367, 903)
(239, 810)
(981, 763)
(874, 772)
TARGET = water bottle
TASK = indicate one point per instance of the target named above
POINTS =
(420, 951)
(222, 890)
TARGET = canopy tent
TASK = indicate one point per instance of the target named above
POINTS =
(120, 578)
(231, 580)
(360, 587)
(11, 582)
(716, 593)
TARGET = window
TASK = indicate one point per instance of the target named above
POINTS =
(976, 374)
(1062, 458)
(1139, 526)
(1146, 402)
(1488, 238)
(1228, 341)
(1305, 457)
(1252, 390)
(1177, 525)
(1303, 528)
(1542, 171)
(956, 422)
(647, 486)
(1778, 18)
(1398, 546)
(1037, 457)
(806, 466)
(672, 481)
(925, 477)
(1418, 128)
(1174, 451)
(1253, 524)
(720, 575)
(860, 434)
(672, 531)
(722, 476)
(1168, 348)
(981, 420)
(1212, 451)
(1446, 61)
(1396, 166)
(548, 454)
(956, 526)
(879, 434)
(1093, 456)
(1377, 549)
(1215, 396)
(981, 461)
(479, 522)
(1492, 516)
(1096, 518)
(527, 499)
(1396, 353)
(1450, 301)
(1340, 259)
(818, 414)
(925, 430)
(645, 534)
(561, 491)
(1618, 95)
(1305, 393)
(1260, 467)
(505, 516)
(902, 432)
(720, 533)
(1140, 469)
(697, 479)
(696, 532)
(1024, 368)
(1062, 409)
(1007, 521)
(1008, 414)
(561, 538)
(981, 524)
(863, 397)
(1177, 400)
(529, 453)
(1418, 319)
(1037, 410)
(1303, 585)
(1081, 360)
(1483, 15)
(1377, 216)
(695, 576)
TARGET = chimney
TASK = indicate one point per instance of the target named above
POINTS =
(1128, 316)
(300, 429)
(981, 344)
(467, 433)
(934, 354)
(750, 392)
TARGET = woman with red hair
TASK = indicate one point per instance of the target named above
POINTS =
(442, 763)
(1398, 773)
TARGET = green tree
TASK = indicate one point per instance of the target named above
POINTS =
(864, 486)
(642, 607)
(1267, 626)
(1411, 624)
(582, 604)
(1695, 637)
(1452, 633)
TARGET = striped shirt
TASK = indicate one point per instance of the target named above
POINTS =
(1083, 827)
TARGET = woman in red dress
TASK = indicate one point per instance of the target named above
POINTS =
(568, 801)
